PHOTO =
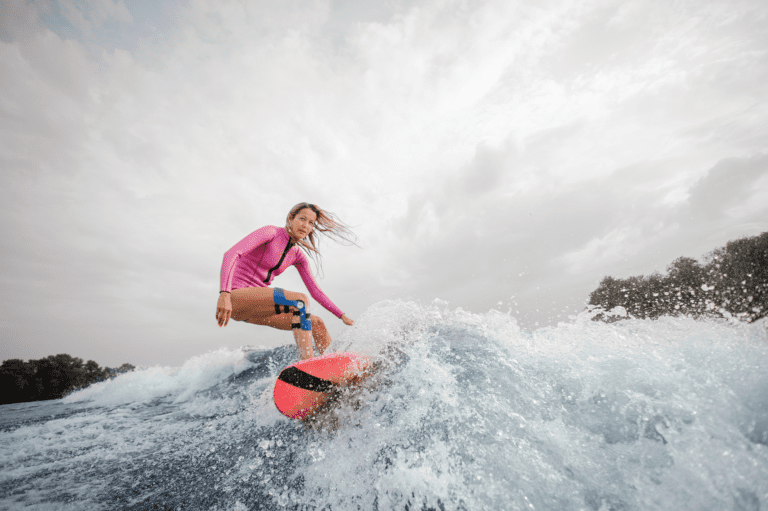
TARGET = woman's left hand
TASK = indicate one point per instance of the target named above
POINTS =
(347, 321)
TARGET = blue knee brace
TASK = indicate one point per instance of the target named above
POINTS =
(280, 299)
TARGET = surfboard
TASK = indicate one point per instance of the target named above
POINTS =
(303, 388)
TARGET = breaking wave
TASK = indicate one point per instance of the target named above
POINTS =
(464, 411)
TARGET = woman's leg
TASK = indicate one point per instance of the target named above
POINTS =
(321, 335)
(257, 305)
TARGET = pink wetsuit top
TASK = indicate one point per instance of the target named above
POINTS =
(263, 255)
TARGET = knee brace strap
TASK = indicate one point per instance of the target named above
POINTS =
(280, 299)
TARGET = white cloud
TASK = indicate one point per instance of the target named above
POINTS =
(89, 15)
(730, 182)
(601, 251)
(480, 149)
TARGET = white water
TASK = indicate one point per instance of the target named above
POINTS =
(465, 412)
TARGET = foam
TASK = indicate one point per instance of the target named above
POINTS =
(198, 373)
(465, 411)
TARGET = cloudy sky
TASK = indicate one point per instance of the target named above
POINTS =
(490, 153)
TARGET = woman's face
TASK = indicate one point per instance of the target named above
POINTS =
(303, 223)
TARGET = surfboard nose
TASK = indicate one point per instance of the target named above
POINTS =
(297, 403)
(304, 387)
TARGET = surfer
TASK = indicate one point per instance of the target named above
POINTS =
(249, 267)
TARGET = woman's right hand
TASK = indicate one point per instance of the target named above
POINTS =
(224, 309)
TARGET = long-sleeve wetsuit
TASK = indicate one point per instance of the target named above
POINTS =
(263, 255)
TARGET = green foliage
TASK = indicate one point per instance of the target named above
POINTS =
(50, 378)
(732, 282)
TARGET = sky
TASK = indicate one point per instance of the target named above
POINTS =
(493, 154)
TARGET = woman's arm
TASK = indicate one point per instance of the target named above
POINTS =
(231, 257)
(306, 275)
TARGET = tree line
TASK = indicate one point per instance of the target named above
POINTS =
(51, 377)
(732, 281)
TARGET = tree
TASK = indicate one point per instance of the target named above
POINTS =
(686, 277)
(738, 273)
(55, 374)
(94, 373)
(17, 380)
(50, 378)
(733, 281)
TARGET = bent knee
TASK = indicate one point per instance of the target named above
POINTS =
(303, 298)
(316, 321)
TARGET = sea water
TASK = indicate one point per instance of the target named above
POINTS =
(463, 411)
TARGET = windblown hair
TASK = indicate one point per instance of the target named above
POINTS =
(326, 224)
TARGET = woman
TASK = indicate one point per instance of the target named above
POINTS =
(250, 266)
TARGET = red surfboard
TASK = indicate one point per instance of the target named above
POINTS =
(304, 387)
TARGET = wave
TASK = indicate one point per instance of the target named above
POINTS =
(464, 411)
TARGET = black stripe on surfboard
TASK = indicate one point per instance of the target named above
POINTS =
(298, 378)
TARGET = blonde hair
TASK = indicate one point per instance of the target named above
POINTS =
(326, 224)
